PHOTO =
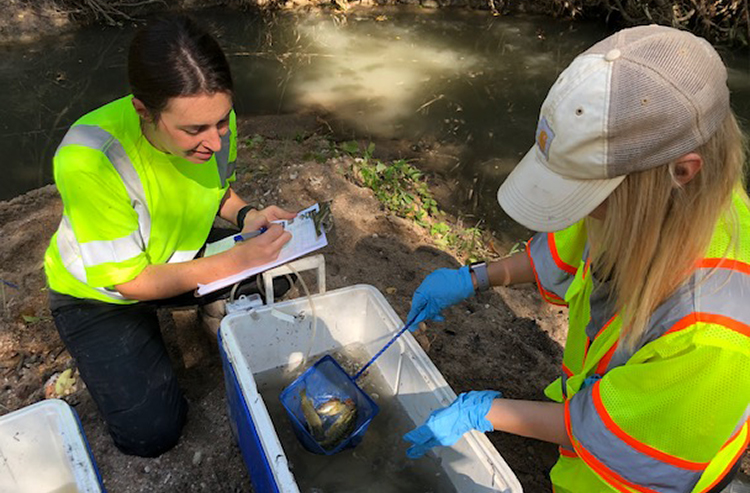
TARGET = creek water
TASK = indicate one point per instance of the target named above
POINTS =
(469, 81)
(378, 463)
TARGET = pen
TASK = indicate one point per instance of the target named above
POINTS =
(249, 234)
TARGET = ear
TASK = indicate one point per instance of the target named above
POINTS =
(141, 109)
(686, 167)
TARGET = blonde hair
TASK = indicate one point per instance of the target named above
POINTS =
(655, 229)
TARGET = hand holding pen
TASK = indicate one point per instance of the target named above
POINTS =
(249, 234)
(253, 248)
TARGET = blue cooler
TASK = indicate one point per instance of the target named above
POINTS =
(259, 338)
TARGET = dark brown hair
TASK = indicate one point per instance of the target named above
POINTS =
(172, 56)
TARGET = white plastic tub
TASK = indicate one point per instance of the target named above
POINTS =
(44, 450)
(271, 336)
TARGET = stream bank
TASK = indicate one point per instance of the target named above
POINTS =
(507, 339)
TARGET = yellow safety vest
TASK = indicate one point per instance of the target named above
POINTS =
(671, 416)
(127, 205)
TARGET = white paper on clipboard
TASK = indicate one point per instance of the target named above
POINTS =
(304, 240)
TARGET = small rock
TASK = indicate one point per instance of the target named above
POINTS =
(374, 235)
(486, 306)
(147, 469)
(293, 176)
(197, 457)
(430, 4)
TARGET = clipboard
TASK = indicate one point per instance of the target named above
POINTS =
(307, 236)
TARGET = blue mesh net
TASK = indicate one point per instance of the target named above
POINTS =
(329, 395)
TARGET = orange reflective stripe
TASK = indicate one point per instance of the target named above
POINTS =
(548, 296)
(613, 479)
(639, 446)
(586, 348)
(568, 453)
(567, 371)
(551, 297)
(709, 318)
(601, 367)
(724, 263)
(732, 462)
(556, 257)
(604, 327)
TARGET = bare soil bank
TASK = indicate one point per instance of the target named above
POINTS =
(507, 339)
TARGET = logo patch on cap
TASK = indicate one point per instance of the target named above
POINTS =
(544, 137)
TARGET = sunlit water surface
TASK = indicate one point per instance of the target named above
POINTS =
(471, 82)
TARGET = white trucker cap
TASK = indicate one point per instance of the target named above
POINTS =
(634, 101)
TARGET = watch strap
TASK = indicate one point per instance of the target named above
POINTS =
(481, 274)
(241, 215)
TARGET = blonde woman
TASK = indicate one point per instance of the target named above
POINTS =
(636, 184)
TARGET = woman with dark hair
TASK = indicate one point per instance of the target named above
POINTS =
(142, 179)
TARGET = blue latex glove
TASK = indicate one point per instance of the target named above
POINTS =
(445, 426)
(441, 289)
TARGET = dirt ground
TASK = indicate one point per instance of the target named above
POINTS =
(507, 339)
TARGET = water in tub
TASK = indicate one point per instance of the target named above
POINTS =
(378, 463)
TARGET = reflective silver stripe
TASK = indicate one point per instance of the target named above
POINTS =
(71, 252)
(553, 278)
(222, 159)
(722, 292)
(589, 429)
(70, 255)
(182, 256)
(97, 138)
(119, 250)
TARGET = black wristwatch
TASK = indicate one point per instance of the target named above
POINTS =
(482, 276)
(241, 215)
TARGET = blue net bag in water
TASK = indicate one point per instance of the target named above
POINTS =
(327, 409)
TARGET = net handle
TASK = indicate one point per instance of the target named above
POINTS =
(388, 344)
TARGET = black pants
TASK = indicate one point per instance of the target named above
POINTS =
(121, 355)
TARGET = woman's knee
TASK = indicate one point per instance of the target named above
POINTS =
(149, 432)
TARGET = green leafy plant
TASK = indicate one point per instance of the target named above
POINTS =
(350, 147)
(401, 188)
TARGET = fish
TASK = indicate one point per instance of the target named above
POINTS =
(312, 419)
(332, 407)
(342, 427)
